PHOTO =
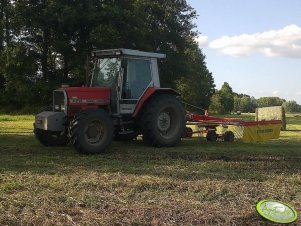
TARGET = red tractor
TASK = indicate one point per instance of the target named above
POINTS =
(123, 100)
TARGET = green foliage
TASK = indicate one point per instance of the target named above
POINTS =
(57, 36)
(18, 73)
(226, 101)
(198, 86)
(223, 100)
(216, 106)
(291, 106)
(227, 98)
(244, 103)
(270, 101)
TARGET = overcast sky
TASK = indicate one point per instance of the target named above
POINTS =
(254, 45)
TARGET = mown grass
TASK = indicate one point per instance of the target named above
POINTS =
(195, 183)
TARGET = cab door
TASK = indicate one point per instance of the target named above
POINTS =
(137, 77)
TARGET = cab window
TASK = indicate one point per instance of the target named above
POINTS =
(106, 72)
(136, 79)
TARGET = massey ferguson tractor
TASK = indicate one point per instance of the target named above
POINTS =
(123, 100)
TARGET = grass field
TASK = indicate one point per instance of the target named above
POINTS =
(195, 183)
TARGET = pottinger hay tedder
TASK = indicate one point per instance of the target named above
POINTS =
(227, 129)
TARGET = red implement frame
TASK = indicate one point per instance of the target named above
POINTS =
(211, 120)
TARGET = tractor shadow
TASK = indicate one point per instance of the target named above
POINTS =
(191, 160)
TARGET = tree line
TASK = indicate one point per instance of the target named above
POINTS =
(226, 101)
(46, 43)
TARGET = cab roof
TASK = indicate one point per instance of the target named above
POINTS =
(126, 52)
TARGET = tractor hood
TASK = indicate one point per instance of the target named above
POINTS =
(74, 99)
(88, 95)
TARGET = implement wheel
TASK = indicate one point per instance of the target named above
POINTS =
(91, 131)
(163, 121)
(187, 133)
(211, 136)
(49, 138)
(229, 136)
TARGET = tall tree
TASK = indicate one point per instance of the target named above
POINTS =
(167, 27)
(5, 16)
(198, 87)
(216, 105)
(2, 6)
(227, 97)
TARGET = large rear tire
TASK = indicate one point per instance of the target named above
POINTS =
(91, 132)
(49, 138)
(162, 121)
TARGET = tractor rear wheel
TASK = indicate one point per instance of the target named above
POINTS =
(162, 121)
(91, 132)
(49, 138)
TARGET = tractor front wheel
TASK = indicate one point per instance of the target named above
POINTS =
(162, 121)
(91, 131)
(49, 138)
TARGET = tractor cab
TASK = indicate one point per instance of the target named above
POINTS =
(128, 73)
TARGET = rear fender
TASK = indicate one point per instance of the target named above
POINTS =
(150, 92)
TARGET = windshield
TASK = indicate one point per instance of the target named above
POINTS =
(105, 72)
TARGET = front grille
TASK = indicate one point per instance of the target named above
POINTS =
(59, 101)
